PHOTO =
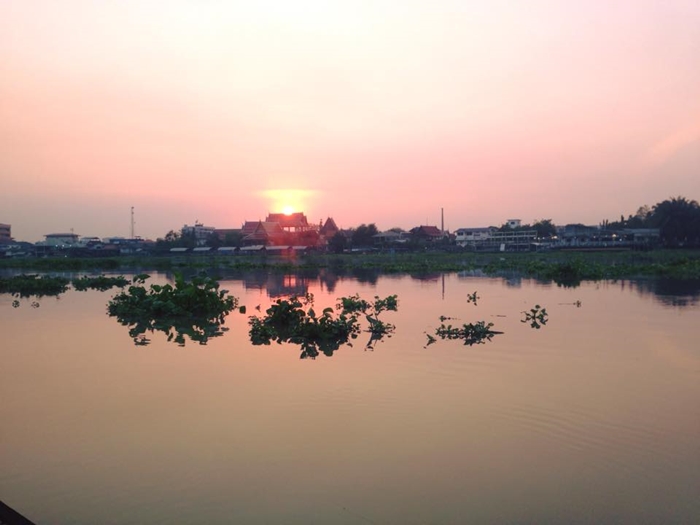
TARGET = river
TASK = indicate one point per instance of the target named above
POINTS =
(594, 417)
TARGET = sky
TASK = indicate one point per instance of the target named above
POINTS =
(383, 111)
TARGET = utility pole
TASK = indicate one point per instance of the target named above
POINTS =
(132, 222)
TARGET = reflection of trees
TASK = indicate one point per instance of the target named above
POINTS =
(366, 275)
(329, 279)
(426, 276)
(671, 292)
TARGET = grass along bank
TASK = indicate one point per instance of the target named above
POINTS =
(560, 266)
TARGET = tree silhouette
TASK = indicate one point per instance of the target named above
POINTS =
(679, 221)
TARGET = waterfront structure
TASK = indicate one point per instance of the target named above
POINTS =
(390, 237)
(200, 232)
(427, 233)
(472, 236)
(61, 239)
(263, 233)
(5, 233)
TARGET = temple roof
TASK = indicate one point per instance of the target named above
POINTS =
(293, 220)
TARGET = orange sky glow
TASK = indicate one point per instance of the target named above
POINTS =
(367, 111)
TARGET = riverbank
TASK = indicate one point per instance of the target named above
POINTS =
(559, 266)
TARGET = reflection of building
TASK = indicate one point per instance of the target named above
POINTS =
(5, 233)
(285, 285)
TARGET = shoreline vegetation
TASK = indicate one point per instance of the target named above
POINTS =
(563, 267)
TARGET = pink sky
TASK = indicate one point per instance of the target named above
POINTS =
(367, 111)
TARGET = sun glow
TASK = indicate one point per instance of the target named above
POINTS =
(288, 201)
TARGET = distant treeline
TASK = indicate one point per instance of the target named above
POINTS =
(678, 221)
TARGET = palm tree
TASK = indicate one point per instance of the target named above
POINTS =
(679, 221)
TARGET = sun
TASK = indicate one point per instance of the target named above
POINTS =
(288, 201)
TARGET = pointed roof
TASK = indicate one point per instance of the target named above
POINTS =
(249, 227)
(329, 228)
(293, 220)
(427, 231)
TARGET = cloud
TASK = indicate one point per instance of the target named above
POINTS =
(666, 148)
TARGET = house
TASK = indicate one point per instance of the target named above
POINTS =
(390, 237)
(263, 233)
(513, 223)
(472, 236)
(644, 236)
(578, 234)
(427, 233)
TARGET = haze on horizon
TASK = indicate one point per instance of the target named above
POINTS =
(367, 111)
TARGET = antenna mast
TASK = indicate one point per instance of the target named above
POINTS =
(132, 222)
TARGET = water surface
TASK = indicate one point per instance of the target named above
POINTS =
(591, 419)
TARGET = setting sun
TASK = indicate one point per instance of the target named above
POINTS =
(288, 201)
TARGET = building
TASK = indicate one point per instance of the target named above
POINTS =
(329, 229)
(200, 232)
(427, 233)
(517, 240)
(5, 233)
(294, 222)
(390, 237)
(473, 236)
(263, 233)
(513, 223)
(61, 239)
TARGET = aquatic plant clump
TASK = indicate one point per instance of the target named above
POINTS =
(295, 321)
(101, 282)
(195, 309)
(27, 285)
(537, 317)
(471, 333)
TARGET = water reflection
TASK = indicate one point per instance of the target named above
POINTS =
(671, 292)
(594, 411)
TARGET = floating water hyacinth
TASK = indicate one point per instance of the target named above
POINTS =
(537, 317)
(295, 321)
(194, 309)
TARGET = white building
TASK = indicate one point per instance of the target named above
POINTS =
(201, 233)
(61, 239)
(470, 236)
